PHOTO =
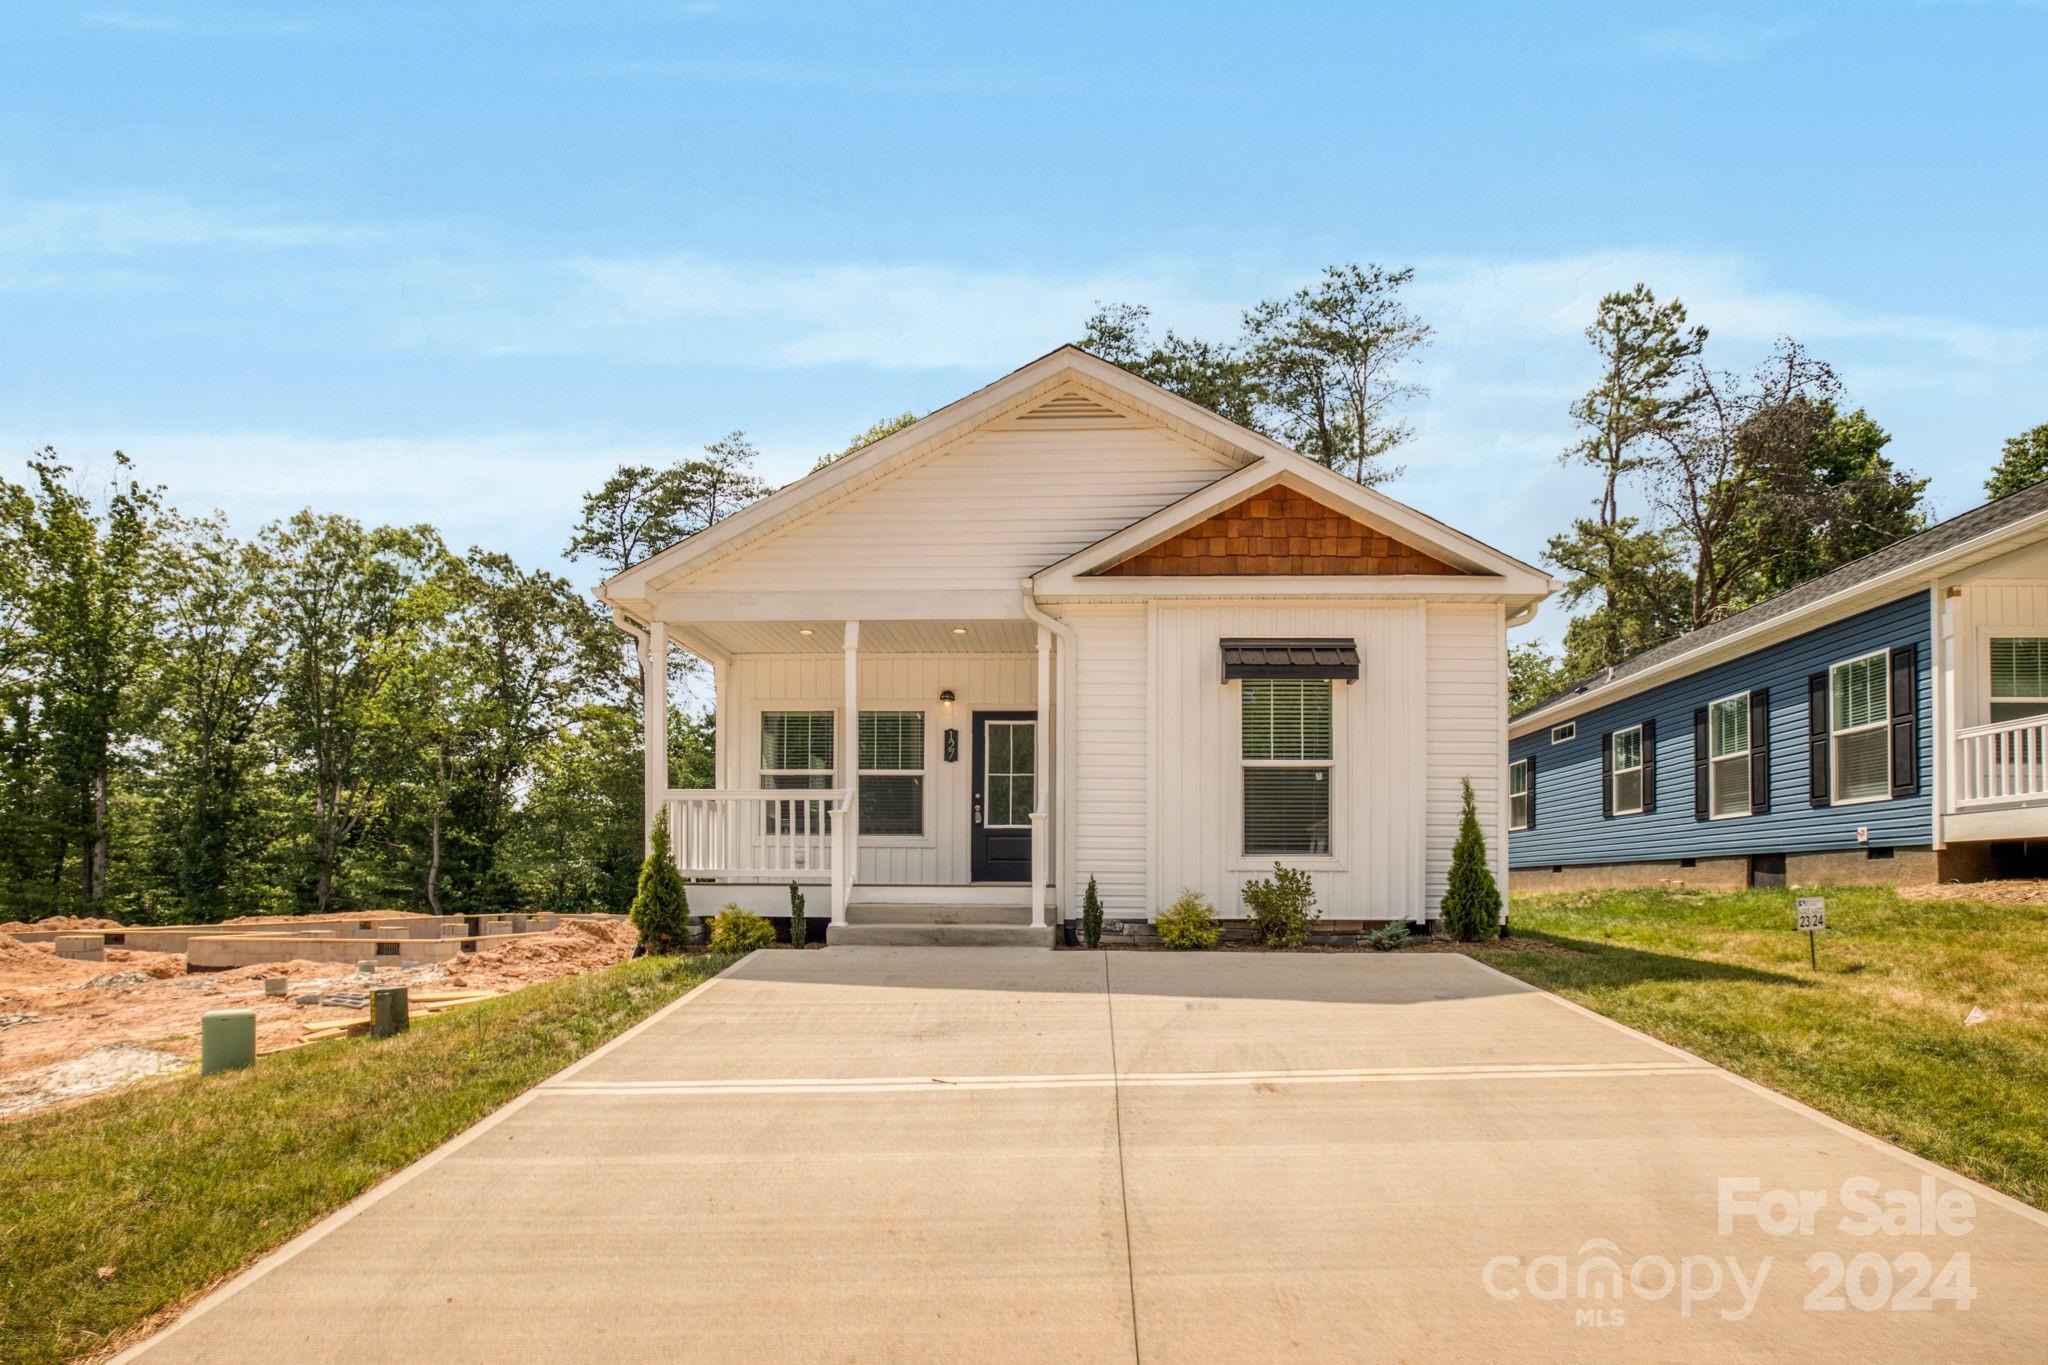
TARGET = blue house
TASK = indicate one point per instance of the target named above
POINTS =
(1887, 722)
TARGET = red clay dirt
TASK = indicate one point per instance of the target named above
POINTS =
(71, 1029)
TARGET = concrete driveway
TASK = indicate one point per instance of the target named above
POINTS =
(954, 1154)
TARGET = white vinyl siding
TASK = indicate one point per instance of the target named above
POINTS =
(1728, 785)
(1109, 826)
(1518, 794)
(892, 774)
(1285, 745)
(1627, 757)
(1859, 724)
(1384, 794)
(2019, 677)
(1466, 707)
(997, 507)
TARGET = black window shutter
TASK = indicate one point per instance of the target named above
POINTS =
(1531, 761)
(1607, 775)
(1817, 738)
(1905, 691)
(1699, 764)
(1649, 766)
(1759, 751)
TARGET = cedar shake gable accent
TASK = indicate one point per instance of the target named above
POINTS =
(1278, 531)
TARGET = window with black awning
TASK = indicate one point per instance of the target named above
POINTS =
(1332, 659)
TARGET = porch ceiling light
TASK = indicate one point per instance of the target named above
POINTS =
(959, 630)
(805, 630)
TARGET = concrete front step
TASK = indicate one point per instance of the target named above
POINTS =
(940, 936)
(938, 914)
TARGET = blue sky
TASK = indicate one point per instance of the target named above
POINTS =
(454, 262)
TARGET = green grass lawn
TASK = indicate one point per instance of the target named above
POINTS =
(1874, 1037)
(113, 1211)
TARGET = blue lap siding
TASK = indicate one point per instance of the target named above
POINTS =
(1570, 829)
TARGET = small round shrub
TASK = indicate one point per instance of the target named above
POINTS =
(1282, 907)
(1189, 922)
(734, 930)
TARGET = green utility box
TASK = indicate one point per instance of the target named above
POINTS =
(390, 1011)
(227, 1039)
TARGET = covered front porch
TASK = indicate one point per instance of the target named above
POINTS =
(907, 763)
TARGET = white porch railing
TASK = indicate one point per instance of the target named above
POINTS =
(755, 836)
(2003, 762)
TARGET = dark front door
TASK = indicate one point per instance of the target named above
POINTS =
(1005, 793)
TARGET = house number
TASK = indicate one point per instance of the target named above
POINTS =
(952, 746)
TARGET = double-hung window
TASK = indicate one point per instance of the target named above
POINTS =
(2019, 677)
(796, 755)
(1518, 794)
(1287, 752)
(1859, 729)
(892, 773)
(1628, 771)
(1728, 788)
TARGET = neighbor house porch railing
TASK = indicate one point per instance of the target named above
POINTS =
(2003, 762)
(758, 836)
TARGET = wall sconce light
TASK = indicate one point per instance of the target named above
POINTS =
(947, 697)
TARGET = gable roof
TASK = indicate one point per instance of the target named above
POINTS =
(1978, 534)
(1279, 530)
(1057, 374)
(1477, 566)
(800, 498)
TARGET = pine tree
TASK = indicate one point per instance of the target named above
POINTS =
(661, 908)
(1091, 917)
(1471, 907)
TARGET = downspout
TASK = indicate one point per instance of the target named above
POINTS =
(1064, 871)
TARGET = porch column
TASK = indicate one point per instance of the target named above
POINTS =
(654, 722)
(1041, 765)
(846, 827)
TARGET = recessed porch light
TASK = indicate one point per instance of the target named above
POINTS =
(805, 630)
(959, 630)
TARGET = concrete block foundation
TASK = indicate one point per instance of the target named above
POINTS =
(1843, 867)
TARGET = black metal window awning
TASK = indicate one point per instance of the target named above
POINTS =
(1290, 659)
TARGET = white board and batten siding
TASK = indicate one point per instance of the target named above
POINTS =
(1111, 746)
(983, 515)
(896, 682)
(1157, 775)
(1468, 707)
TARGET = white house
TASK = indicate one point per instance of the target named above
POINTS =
(1074, 626)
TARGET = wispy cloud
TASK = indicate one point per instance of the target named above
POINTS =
(129, 226)
(789, 75)
(1724, 42)
(216, 24)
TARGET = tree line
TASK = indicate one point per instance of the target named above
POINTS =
(329, 715)
(325, 715)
